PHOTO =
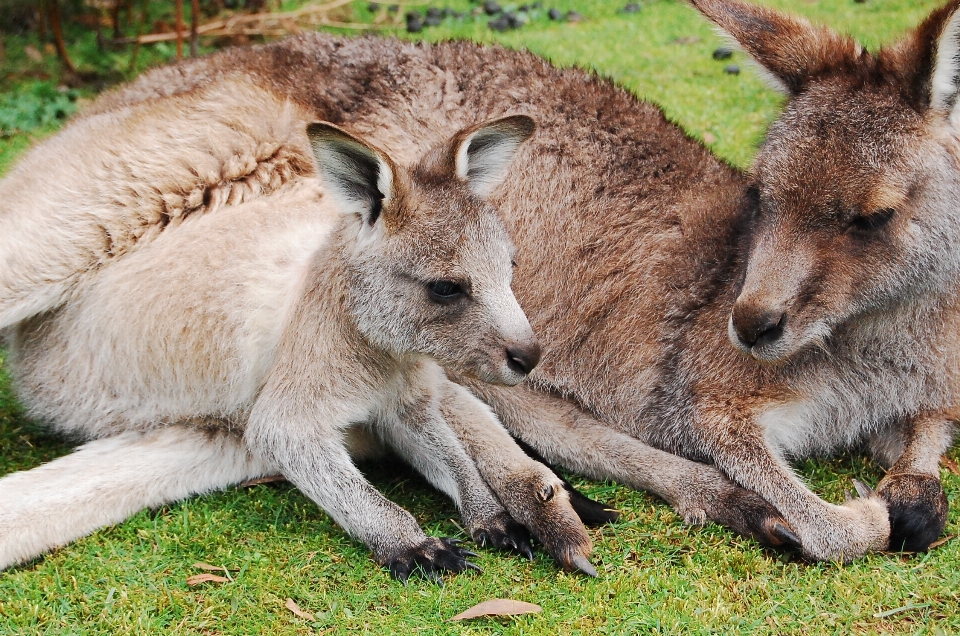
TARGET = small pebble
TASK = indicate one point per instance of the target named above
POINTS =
(574, 16)
(500, 24)
(555, 14)
(515, 21)
(414, 26)
(413, 15)
(393, 8)
(731, 69)
(433, 21)
(631, 7)
(492, 7)
(523, 7)
(373, 7)
(434, 12)
(723, 53)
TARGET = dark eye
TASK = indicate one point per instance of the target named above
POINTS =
(444, 291)
(873, 222)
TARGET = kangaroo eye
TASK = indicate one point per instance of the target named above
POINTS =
(873, 222)
(444, 291)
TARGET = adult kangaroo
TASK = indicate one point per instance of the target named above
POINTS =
(689, 312)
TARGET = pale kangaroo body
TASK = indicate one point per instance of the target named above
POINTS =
(833, 265)
(216, 313)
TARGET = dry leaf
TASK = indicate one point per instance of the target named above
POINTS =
(937, 544)
(293, 607)
(498, 607)
(950, 464)
(709, 138)
(197, 579)
(212, 568)
(33, 53)
(262, 480)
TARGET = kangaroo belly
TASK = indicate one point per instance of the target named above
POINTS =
(184, 328)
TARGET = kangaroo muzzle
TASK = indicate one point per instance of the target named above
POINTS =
(524, 357)
(756, 326)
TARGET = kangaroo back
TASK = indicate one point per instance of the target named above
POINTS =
(112, 181)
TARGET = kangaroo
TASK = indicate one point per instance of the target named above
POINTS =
(700, 327)
(250, 319)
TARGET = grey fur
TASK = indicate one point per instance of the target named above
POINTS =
(280, 330)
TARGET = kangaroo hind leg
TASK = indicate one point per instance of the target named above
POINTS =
(107, 480)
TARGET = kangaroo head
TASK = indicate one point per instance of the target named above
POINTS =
(429, 262)
(857, 184)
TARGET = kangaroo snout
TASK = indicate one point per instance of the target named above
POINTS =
(755, 325)
(522, 358)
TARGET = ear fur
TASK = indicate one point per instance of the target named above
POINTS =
(485, 154)
(945, 74)
(790, 50)
(357, 176)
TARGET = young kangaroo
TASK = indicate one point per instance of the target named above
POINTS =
(832, 266)
(268, 323)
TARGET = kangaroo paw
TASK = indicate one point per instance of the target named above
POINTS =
(430, 559)
(918, 510)
(747, 513)
(539, 501)
(504, 533)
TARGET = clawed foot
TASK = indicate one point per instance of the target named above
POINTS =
(748, 514)
(504, 533)
(918, 510)
(540, 502)
(430, 559)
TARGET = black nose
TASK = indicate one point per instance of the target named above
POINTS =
(756, 326)
(522, 359)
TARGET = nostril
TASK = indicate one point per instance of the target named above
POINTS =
(758, 328)
(522, 359)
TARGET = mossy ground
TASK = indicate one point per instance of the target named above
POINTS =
(656, 575)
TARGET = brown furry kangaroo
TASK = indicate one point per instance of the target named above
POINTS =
(740, 320)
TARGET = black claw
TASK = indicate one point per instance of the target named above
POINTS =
(468, 553)
(430, 560)
(400, 571)
(527, 551)
(482, 538)
(785, 534)
(474, 566)
(580, 563)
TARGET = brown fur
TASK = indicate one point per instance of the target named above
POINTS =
(641, 256)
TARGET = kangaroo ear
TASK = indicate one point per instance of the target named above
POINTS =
(942, 34)
(791, 50)
(357, 176)
(485, 154)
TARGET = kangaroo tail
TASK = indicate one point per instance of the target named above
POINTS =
(105, 481)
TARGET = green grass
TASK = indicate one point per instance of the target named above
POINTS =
(656, 575)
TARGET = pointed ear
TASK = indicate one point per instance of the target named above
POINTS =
(484, 154)
(791, 50)
(358, 177)
(926, 63)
